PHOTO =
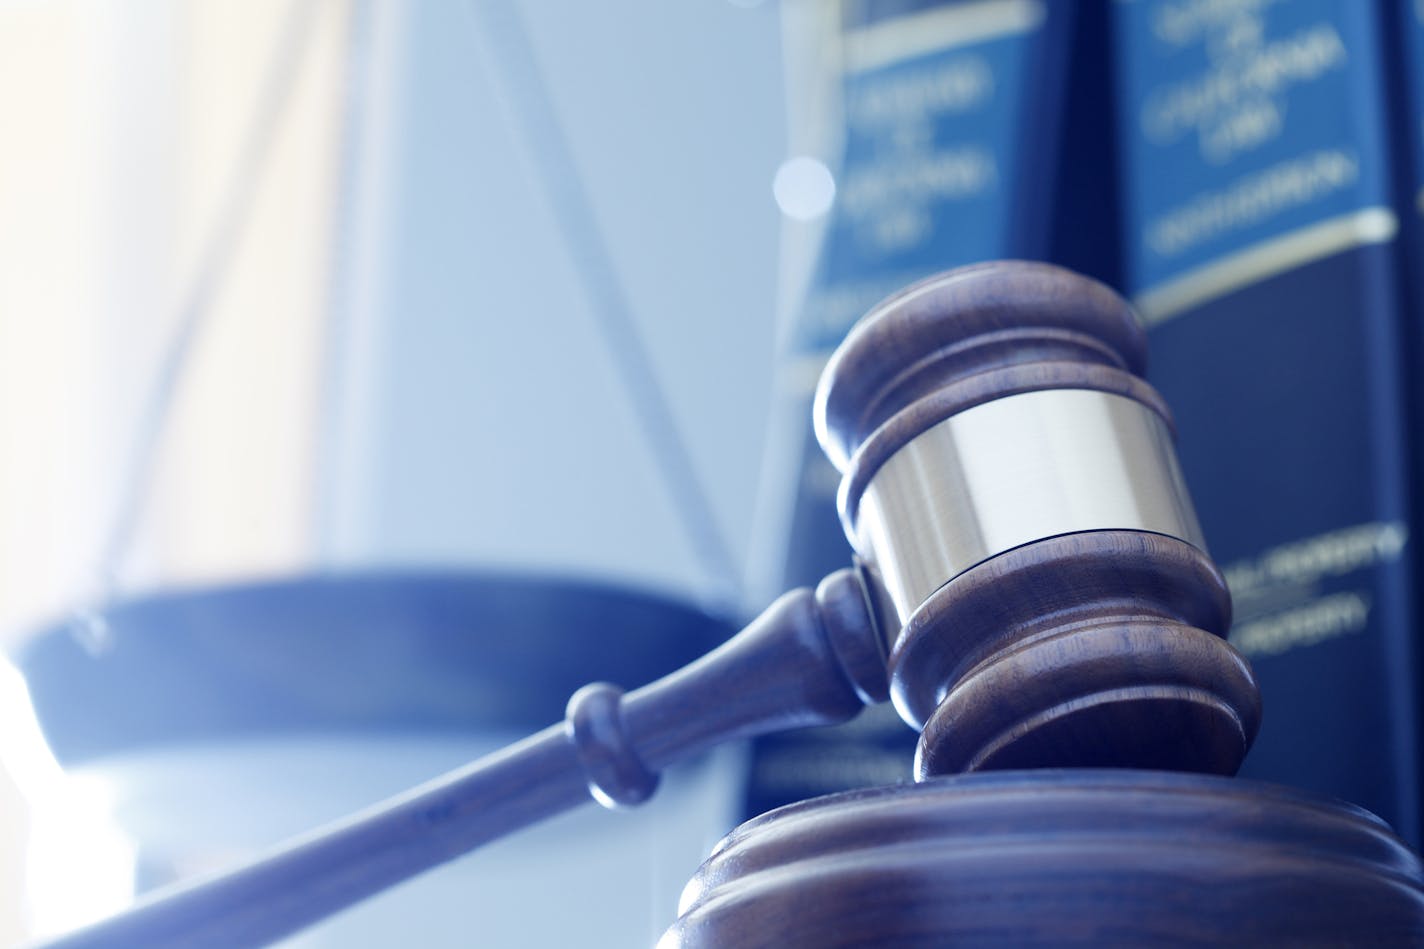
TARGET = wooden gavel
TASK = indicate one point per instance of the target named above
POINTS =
(1035, 596)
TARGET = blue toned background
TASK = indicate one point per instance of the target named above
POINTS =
(350, 310)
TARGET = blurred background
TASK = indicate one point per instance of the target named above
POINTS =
(373, 373)
(328, 285)
(316, 227)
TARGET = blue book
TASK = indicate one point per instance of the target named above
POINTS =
(950, 119)
(1261, 248)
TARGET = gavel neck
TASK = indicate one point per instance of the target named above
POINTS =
(812, 658)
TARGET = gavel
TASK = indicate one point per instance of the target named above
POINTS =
(1033, 592)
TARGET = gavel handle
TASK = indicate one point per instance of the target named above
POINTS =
(813, 658)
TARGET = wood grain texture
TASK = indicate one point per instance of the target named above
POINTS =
(955, 325)
(1053, 858)
(1100, 648)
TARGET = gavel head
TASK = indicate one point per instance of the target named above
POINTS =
(1011, 483)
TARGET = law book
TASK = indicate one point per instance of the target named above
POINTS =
(944, 119)
(1261, 248)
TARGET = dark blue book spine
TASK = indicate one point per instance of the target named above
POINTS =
(1405, 64)
(1260, 245)
(950, 126)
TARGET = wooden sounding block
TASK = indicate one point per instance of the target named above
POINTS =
(1055, 858)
